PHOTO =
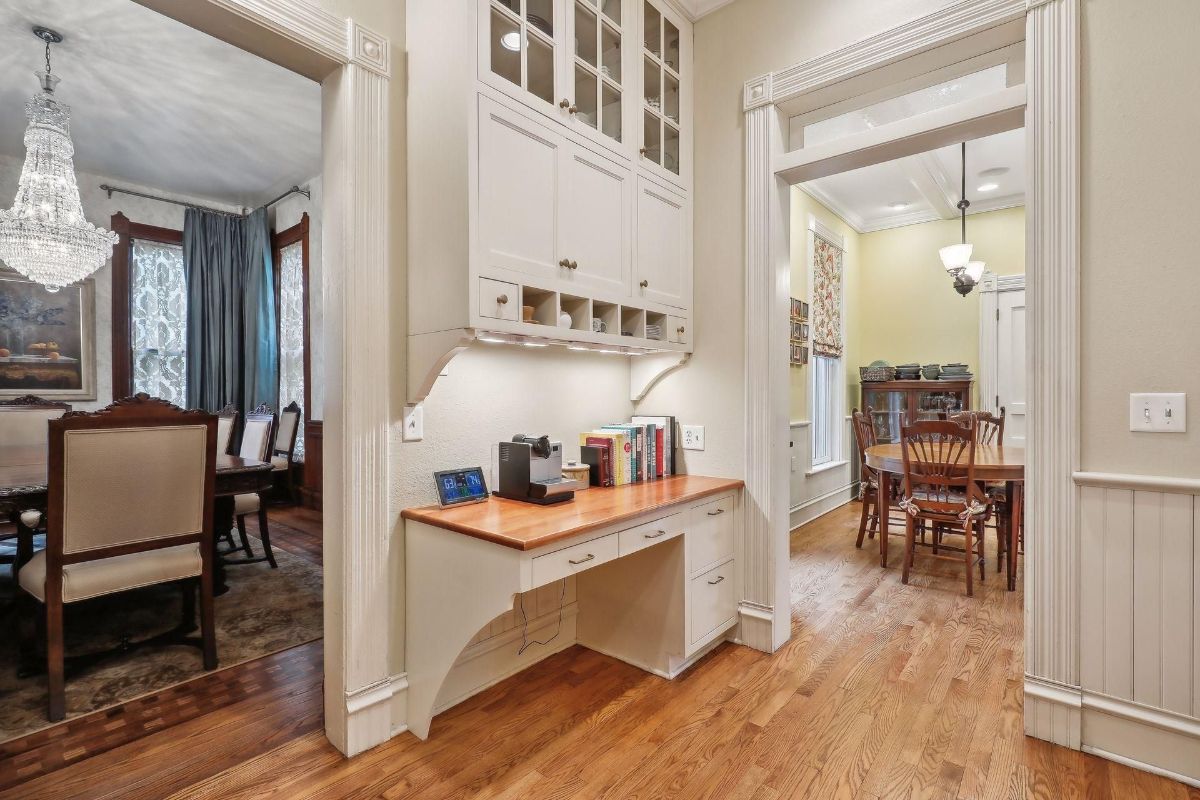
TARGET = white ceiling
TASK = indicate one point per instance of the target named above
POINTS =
(156, 103)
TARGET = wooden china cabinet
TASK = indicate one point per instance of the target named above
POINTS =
(894, 402)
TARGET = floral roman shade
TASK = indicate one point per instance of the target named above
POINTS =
(826, 299)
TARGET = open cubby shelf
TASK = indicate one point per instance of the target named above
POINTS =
(591, 320)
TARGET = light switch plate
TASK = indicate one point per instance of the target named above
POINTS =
(1158, 412)
(693, 437)
(414, 423)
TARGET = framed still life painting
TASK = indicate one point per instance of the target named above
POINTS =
(47, 347)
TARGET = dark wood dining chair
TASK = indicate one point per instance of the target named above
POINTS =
(285, 445)
(940, 491)
(112, 530)
(989, 430)
(226, 422)
(257, 437)
(869, 479)
(24, 422)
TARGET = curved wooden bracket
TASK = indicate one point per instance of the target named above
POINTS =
(645, 371)
(428, 355)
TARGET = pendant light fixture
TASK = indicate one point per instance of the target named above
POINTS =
(956, 258)
(44, 236)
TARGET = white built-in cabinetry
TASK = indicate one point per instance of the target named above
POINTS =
(549, 152)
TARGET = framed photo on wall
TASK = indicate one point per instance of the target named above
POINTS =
(47, 339)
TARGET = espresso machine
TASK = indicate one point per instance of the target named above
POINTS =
(530, 470)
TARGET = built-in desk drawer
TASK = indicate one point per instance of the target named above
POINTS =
(650, 533)
(711, 533)
(572, 560)
(711, 601)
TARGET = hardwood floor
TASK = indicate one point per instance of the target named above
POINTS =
(885, 691)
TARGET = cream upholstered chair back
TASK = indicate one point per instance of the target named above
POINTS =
(226, 420)
(289, 424)
(23, 421)
(135, 476)
(256, 434)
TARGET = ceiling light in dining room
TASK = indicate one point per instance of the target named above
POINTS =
(987, 187)
(44, 236)
(899, 206)
(956, 258)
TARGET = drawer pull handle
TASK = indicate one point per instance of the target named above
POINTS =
(718, 580)
(502, 299)
(717, 512)
(655, 535)
(572, 562)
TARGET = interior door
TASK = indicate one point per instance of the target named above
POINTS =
(661, 273)
(519, 163)
(595, 220)
(1010, 364)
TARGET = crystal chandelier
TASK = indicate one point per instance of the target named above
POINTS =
(44, 236)
(956, 258)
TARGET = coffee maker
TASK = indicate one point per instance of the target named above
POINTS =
(530, 470)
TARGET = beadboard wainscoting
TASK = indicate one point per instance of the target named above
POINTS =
(1140, 621)
(818, 492)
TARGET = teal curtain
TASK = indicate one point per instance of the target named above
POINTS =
(233, 353)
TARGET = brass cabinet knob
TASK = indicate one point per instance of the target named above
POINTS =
(564, 103)
(565, 263)
(642, 150)
(573, 110)
(502, 299)
(574, 265)
(679, 330)
(644, 284)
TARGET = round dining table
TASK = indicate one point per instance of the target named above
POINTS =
(993, 463)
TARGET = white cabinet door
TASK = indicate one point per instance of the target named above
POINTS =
(662, 270)
(519, 165)
(594, 221)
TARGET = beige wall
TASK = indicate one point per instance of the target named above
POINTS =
(739, 41)
(907, 308)
(1140, 286)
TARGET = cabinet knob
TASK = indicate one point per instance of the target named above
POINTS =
(502, 299)
(679, 330)
(564, 103)
(565, 263)
(644, 284)
(573, 110)
(642, 150)
(573, 265)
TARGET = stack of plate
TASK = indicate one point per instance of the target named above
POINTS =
(931, 371)
(956, 372)
(908, 372)
(653, 331)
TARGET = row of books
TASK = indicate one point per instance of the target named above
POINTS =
(642, 449)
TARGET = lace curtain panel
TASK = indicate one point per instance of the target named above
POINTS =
(159, 321)
(827, 299)
(291, 333)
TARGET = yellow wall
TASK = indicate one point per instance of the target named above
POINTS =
(907, 310)
(804, 206)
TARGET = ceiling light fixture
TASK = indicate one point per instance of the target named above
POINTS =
(897, 206)
(511, 40)
(44, 236)
(956, 258)
(987, 187)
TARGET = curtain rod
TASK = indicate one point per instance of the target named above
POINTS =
(288, 193)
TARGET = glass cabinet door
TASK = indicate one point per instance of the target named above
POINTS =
(596, 67)
(521, 45)
(889, 408)
(660, 89)
(938, 404)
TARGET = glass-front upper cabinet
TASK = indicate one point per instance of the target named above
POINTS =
(663, 66)
(520, 46)
(597, 71)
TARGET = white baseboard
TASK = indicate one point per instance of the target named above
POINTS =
(1150, 739)
(486, 663)
(399, 703)
(806, 512)
(755, 627)
(1052, 712)
(368, 717)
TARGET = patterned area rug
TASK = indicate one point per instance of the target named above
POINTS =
(264, 611)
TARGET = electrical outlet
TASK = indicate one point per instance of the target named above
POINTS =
(1158, 413)
(693, 437)
(414, 423)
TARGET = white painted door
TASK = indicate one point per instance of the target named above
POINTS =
(1010, 364)
(519, 164)
(595, 220)
(661, 267)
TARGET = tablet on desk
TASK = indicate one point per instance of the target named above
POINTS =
(457, 487)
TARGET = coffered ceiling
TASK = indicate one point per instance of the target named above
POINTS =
(159, 104)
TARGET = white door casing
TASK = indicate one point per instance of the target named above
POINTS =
(1010, 365)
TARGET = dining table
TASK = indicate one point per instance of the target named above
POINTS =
(993, 464)
(24, 483)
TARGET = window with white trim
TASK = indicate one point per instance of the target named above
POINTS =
(826, 377)
(827, 366)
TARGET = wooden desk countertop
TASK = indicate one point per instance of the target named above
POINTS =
(526, 526)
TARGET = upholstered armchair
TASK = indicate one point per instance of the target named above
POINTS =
(129, 505)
